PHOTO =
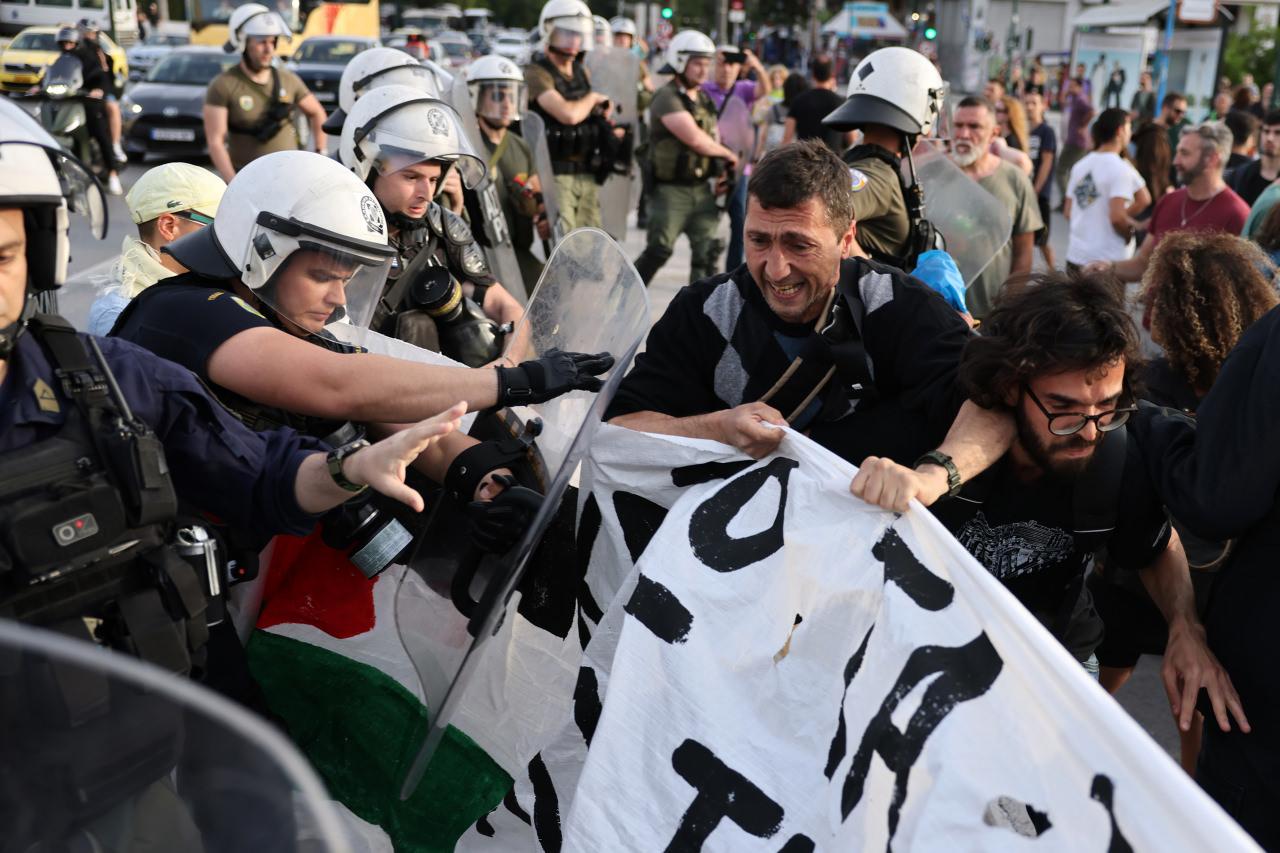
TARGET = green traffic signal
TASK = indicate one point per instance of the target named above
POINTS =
(666, 12)
(930, 33)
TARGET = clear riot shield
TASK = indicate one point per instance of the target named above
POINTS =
(590, 299)
(534, 131)
(737, 133)
(616, 73)
(487, 220)
(975, 224)
(103, 752)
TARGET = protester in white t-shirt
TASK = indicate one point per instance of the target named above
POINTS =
(1104, 193)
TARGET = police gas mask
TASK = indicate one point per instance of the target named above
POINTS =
(466, 334)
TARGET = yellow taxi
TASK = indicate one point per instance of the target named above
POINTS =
(23, 62)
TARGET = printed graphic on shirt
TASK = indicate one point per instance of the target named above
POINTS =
(1086, 192)
(1017, 549)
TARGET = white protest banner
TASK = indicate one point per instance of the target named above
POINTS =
(775, 665)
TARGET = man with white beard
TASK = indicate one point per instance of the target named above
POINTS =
(973, 130)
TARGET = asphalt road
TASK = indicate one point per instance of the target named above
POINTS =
(1143, 697)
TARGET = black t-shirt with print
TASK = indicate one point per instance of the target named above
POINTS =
(1024, 533)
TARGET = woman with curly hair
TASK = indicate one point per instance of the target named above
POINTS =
(1202, 292)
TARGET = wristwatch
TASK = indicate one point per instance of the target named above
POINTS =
(333, 461)
(942, 460)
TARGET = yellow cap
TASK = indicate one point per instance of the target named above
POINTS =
(172, 188)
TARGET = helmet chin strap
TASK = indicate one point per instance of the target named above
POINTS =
(10, 333)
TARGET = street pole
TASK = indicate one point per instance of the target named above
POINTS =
(722, 20)
(111, 21)
(1162, 58)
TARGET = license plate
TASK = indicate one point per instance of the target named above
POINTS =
(173, 134)
(324, 97)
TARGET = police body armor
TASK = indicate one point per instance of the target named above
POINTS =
(675, 162)
(423, 302)
(88, 523)
(571, 146)
(922, 236)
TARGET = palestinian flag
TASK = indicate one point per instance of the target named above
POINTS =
(332, 666)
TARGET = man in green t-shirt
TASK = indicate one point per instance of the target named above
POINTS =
(249, 108)
(973, 129)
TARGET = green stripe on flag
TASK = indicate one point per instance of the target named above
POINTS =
(358, 726)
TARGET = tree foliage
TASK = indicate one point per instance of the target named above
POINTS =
(1253, 53)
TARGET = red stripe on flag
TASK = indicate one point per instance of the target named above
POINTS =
(311, 583)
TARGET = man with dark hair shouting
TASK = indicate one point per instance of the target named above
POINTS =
(1060, 354)
(808, 332)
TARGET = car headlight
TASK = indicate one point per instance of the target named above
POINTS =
(127, 105)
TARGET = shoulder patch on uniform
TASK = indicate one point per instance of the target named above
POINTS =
(246, 306)
(857, 179)
(45, 398)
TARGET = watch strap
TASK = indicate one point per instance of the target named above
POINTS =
(334, 459)
(937, 457)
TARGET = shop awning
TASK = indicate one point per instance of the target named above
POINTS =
(865, 21)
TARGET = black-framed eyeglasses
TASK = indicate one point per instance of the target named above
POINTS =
(192, 216)
(1070, 423)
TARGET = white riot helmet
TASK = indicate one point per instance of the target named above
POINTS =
(894, 86)
(381, 66)
(497, 89)
(685, 45)
(42, 180)
(394, 127)
(567, 26)
(603, 32)
(254, 19)
(296, 207)
(625, 26)
(46, 182)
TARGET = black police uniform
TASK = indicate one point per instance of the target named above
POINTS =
(119, 486)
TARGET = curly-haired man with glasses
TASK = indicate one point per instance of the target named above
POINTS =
(1060, 354)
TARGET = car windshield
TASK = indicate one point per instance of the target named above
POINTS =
(34, 41)
(332, 52)
(195, 69)
(454, 48)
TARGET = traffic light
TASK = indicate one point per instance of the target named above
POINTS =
(667, 13)
(931, 27)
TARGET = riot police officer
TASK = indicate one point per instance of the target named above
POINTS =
(101, 443)
(299, 243)
(626, 37)
(579, 134)
(895, 94)
(498, 97)
(440, 293)
(686, 158)
(249, 108)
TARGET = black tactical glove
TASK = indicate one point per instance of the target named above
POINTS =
(498, 524)
(548, 377)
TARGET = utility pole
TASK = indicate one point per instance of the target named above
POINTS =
(1011, 41)
(722, 21)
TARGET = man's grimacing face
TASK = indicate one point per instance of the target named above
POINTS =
(794, 255)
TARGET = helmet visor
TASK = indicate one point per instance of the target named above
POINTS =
(318, 277)
(417, 77)
(437, 138)
(571, 35)
(79, 187)
(499, 101)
